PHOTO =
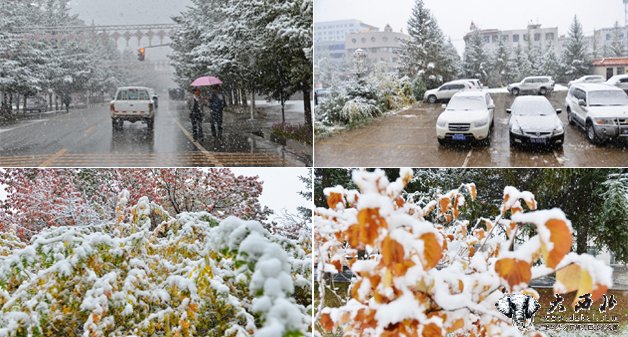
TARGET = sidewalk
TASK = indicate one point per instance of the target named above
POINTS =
(267, 114)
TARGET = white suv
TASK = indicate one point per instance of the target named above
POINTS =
(536, 85)
(132, 104)
(467, 117)
(600, 109)
(446, 91)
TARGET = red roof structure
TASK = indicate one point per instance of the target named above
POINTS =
(611, 62)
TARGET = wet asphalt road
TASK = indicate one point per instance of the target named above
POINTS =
(408, 138)
(84, 138)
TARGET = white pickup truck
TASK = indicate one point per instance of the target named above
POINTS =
(132, 104)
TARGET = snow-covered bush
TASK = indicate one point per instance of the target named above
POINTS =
(418, 88)
(427, 278)
(190, 275)
(394, 93)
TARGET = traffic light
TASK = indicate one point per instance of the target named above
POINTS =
(141, 53)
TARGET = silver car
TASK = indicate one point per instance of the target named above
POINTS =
(600, 109)
(620, 81)
(587, 79)
(535, 85)
(446, 91)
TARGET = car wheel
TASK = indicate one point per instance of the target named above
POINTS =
(570, 117)
(114, 124)
(150, 123)
(543, 91)
(515, 91)
(593, 138)
(512, 141)
(431, 99)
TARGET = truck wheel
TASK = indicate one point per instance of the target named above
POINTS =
(431, 99)
(593, 138)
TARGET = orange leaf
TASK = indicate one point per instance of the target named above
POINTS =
(432, 330)
(333, 199)
(399, 201)
(560, 236)
(337, 264)
(392, 252)
(514, 271)
(457, 324)
(369, 223)
(432, 250)
(444, 203)
(473, 191)
(573, 277)
(326, 322)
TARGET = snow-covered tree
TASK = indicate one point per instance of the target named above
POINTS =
(189, 275)
(575, 59)
(522, 63)
(550, 62)
(617, 44)
(475, 60)
(436, 271)
(502, 66)
(424, 54)
(613, 217)
(63, 197)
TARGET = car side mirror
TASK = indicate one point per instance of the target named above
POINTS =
(581, 102)
(444, 106)
(509, 110)
(559, 111)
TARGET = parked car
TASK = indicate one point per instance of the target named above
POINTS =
(468, 117)
(601, 110)
(533, 120)
(587, 79)
(475, 83)
(320, 95)
(620, 81)
(33, 104)
(132, 104)
(446, 91)
(535, 85)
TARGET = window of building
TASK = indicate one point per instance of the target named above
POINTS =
(537, 36)
(549, 36)
(373, 39)
(526, 37)
(515, 38)
(620, 70)
(487, 39)
(608, 37)
(495, 38)
(505, 38)
(354, 40)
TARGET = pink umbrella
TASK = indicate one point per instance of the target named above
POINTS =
(206, 81)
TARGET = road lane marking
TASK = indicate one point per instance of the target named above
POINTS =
(24, 125)
(198, 145)
(466, 160)
(53, 158)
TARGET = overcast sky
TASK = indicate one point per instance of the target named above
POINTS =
(454, 16)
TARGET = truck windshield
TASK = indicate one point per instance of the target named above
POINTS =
(132, 95)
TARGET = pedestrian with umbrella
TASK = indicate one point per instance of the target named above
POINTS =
(216, 117)
(196, 115)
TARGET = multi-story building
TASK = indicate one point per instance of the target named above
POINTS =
(329, 37)
(605, 37)
(380, 46)
(534, 35)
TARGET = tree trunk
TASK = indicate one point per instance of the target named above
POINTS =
(244, 100)
(50, 100)
(283, 113)
(307, 107)
(25, 98)
(252, 104)
(582, 235)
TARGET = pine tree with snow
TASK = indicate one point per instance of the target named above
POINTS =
(550, 62)
(475, 60)
(452, 65)
(503, 71)
(424, 54)
(611, 221)
(575, 58)
(523, 68)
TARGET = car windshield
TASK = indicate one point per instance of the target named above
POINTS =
(532, 108)
(467, 103)
(607, 98)
(132, 95)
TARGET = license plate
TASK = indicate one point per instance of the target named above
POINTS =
(625, 132)
(538, 140)
(458, 137)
